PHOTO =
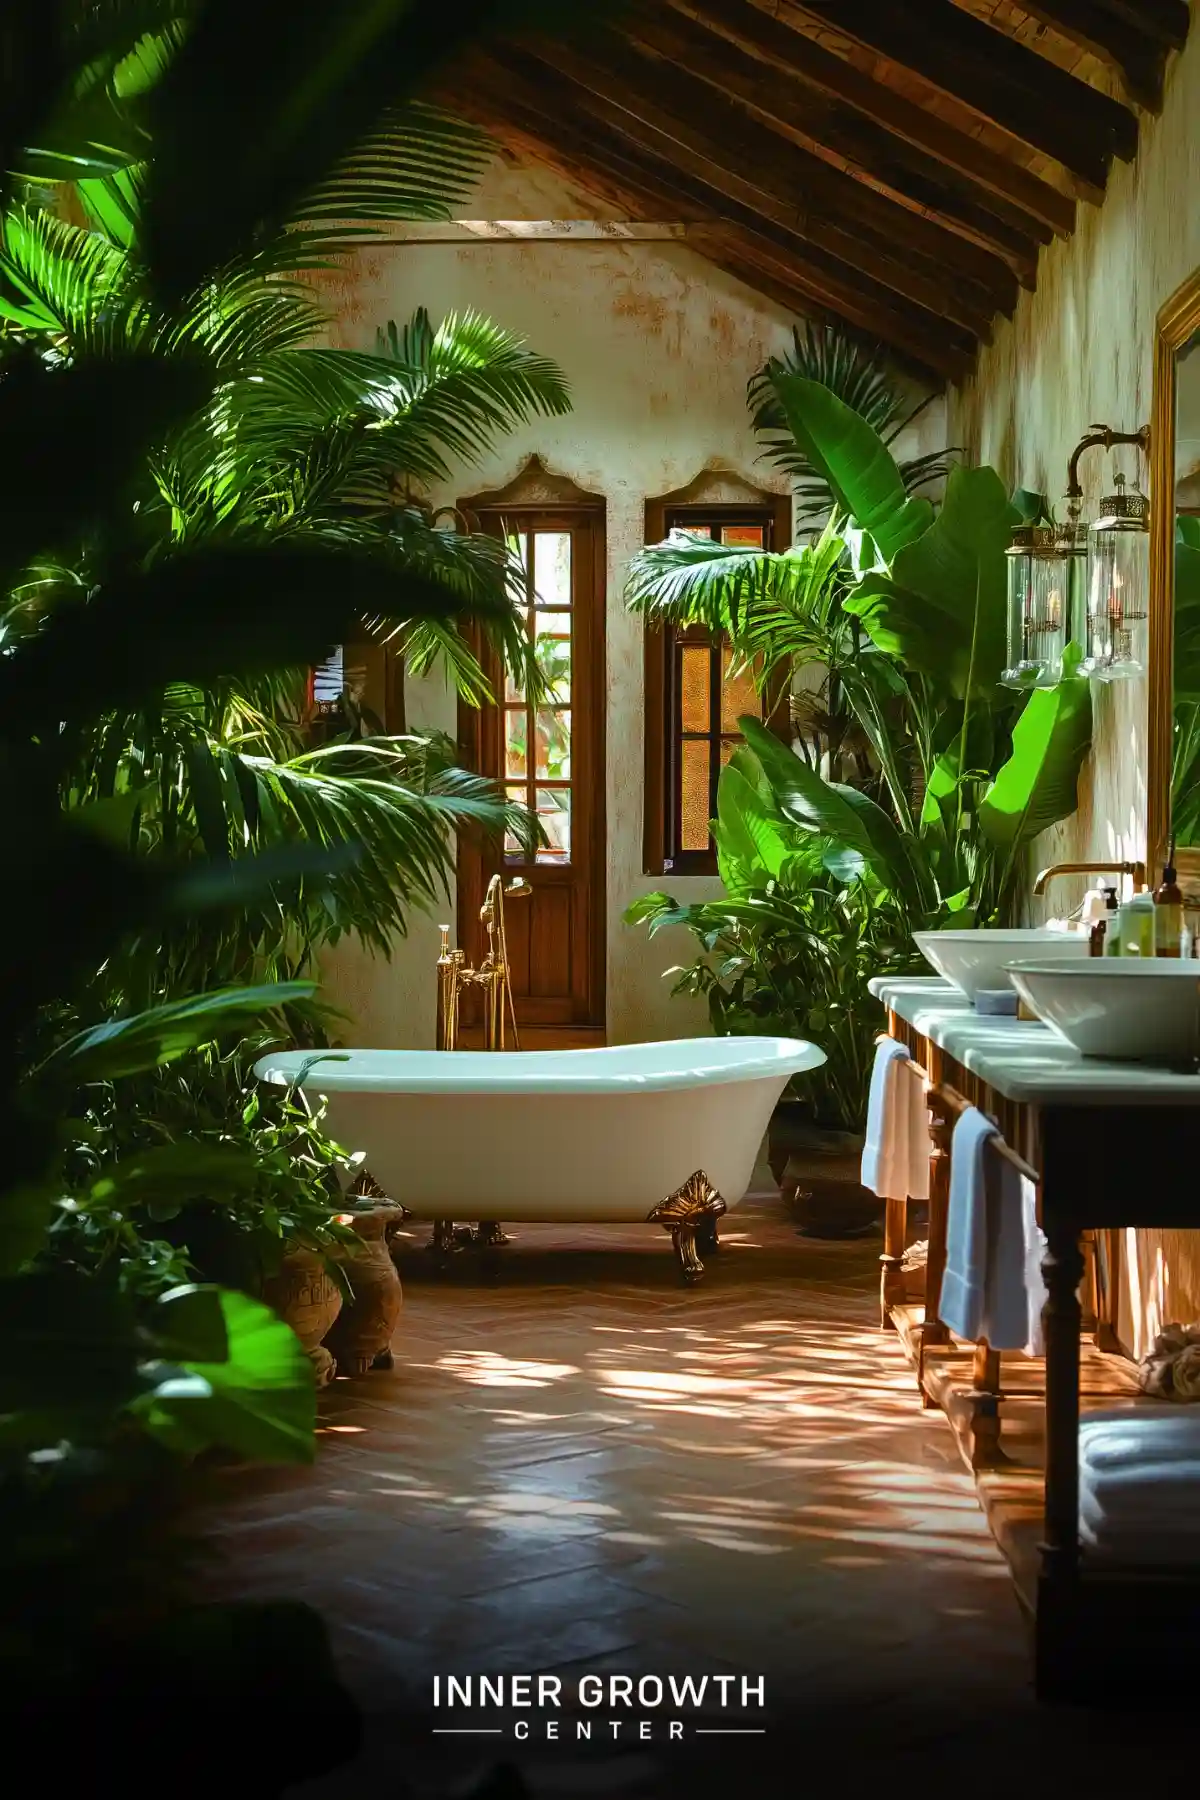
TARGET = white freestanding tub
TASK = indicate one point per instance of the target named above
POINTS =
(566, 1135)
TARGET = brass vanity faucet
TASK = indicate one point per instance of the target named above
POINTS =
(492, 975)
(1136, 869)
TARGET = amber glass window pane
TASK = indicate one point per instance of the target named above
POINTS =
(728, 746)
(738, 694)
(554, 744)
(552, 567)
(694, 812)
(742, 537)
(554, 817)
(517, 794)
(694, 668)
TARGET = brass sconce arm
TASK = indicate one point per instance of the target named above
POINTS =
(1106, 436)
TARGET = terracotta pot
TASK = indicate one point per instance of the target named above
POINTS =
(818, 1177)
(362, 1334)
(307, 1298)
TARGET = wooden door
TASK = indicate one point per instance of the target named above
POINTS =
(551, 759)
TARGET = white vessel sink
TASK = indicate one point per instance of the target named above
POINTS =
(977, 960)
(1121, 1007)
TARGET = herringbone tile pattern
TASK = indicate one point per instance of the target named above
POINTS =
(577, 1466)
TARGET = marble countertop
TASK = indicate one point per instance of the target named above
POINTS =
(1026, 1061)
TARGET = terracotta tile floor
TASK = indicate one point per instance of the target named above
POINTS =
(580, 1467)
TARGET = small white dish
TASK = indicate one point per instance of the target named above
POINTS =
(1123, 1008)
(975, 960)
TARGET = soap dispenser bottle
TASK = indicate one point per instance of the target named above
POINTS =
(1136, 921)
(1097, 937)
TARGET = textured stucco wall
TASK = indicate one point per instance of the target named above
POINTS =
(657, 346)
(1078, 351)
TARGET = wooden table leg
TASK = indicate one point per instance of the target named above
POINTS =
(985, 1408)
(1107, 1335)
(1058, 1583)
(891, 1280)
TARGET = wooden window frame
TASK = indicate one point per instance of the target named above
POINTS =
(775, 514)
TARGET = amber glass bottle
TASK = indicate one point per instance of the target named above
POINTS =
(1168, 916)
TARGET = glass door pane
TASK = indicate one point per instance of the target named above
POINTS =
(537, 738)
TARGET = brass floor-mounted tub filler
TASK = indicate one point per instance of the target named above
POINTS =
(499, 1010)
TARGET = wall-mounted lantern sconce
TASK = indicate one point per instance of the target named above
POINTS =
(1117, 548)
(1119, 586)
(1039, 608)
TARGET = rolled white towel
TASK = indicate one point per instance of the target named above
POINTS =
(1147, 1549)
(1148, 1484)
(1134, 1436)
(1143, 1506)
(895, 1158)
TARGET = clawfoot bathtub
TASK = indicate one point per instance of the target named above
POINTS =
(657, 1133)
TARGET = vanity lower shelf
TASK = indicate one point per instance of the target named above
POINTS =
(1012, 1493)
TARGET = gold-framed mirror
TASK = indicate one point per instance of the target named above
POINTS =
(1173, 726)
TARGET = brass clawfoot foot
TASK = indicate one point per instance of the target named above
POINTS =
(491, 1235)
(707, 1240)
(447, 1239)
(691, 1211)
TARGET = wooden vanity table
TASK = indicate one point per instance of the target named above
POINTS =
(1112, 1146)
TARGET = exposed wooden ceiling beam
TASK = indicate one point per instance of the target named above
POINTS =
(1165, 20)
(586, 151)
(1138, 56)
(670, 113)
(784, 48)
(997, 77)
(788, 105)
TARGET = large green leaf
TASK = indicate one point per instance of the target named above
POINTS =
(752, 829)
(164, 1177)
(942, 608)
(844, 814)
(1038, 784)
(260, 1401)
(851, 456)
(150, 1039)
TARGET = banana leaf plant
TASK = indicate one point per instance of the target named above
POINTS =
(820, 894)
(902, 606)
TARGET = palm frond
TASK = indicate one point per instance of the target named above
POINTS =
(418, 163)
(459, 386)
(857, 372)
(775, 608)
(56, 277)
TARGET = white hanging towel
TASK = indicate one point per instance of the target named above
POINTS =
(895, 1159)
(985, 1288)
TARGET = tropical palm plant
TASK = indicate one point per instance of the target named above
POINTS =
(858, 373)
(146, 607)
(904, 608)
(295, 444)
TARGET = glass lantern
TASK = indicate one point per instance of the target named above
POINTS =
(1071, 547)
(1118, 582)
(1038, 608)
